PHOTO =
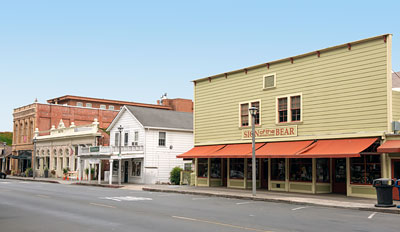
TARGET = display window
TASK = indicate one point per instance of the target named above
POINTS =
(278, 169)
(236, 168)
(215, 171)
(323, 170)
(250, 170)
(364, 169)
(202, 167)
(300, 169)
(136, 168)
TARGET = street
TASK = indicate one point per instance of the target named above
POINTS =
(36, 206)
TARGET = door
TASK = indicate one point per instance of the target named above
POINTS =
(264, 173)
(339, 176)
(126, 173)
(395, 175)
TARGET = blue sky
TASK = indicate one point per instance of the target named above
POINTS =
(138, 50)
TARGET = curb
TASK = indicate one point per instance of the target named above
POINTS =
(380, 210)
(24, 179)
(99, 185)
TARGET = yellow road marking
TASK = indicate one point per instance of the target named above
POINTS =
(108, 206)
(220, 224)
(44, 196)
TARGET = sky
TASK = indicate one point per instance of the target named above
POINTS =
(138, 50)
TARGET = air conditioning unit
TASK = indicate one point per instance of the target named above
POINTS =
(135, 143)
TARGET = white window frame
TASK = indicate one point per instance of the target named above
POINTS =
(126, 134)
(141, 168)
(89, 105)
(250, 118)
(135, 138)
(267, 75)
(103, 107)
(80, 104)
(111, 107)
(289, 110)
(165, 139)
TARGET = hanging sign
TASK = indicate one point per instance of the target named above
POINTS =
(269, 132)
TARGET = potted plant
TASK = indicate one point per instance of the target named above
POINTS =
(65, 171)
(53, 173)
(46, 172)
(29, 172)
(87, 173)
(92, 173)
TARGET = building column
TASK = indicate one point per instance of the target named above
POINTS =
(79, 170)
(111, 170)
(99, 176)
(195, 170)
(89, 173)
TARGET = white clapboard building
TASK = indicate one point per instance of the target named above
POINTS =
(150, 141)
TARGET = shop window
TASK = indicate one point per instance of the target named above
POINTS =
(364, 169)
(289, 109)
(215, 171)
(115, 168)
(236, 168)
(202, 167)
(323, 168)
(249, 169)
(136, 168)
(162, 139)
(278, 169)
(300, 169)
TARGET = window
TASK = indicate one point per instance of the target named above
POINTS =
(300, 169)
(55, 163)
(136, 139)
(215, 171)
(323, 167)
(236, 168)
(278, 169)
(89, 105)
(162, 139)
(103, 107)
(126, 137)
(364, 169)
(116, 139)
(37, 163)
(61, 163)
(75, 164)
(269, 81)
(250, 171)
(111, 107)
(136, 168)
(47, 162)
(245, 117)
(79, 104)
(67, 164)
(115, 167)
(202, 167)
(289, 109)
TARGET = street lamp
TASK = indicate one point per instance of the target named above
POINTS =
(253, 112)
(34, 157)
(120, 128)
(4, 157)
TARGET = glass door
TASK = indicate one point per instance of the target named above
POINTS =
(339, 176)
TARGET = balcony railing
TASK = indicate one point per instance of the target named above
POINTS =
(109, 150)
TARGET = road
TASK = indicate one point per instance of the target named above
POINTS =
(36, 206)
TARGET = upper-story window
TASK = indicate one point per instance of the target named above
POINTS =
(245, 117)
(136, 139)
(103, 107)
(126, 138)
(79, 104)
(116, 139)
(89, 105)
(289, 109)
(162, 137)
(111, 107)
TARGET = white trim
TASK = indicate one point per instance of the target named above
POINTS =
(165, 139)
(267, 75)
(289, 112)
(168, 129)
(250, 119)
(115, 120)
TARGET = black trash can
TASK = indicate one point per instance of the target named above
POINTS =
(384, 192)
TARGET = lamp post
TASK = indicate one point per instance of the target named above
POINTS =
(34, 157)
(4, 157)
(120, 128)
(253, 112)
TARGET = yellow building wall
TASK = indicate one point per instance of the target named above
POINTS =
(344, 92)
(396, 105)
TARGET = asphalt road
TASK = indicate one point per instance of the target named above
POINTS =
(35, 206)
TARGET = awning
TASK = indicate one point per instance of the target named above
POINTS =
(390, 146)
(235, 151)
(336, 148)
(282, 149)
(200, 152)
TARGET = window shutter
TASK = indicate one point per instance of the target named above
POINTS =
(269, 81)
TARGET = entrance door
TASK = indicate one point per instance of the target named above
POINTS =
(395, 175)
(224, 172)
(126, 173)
(339, 176)
(264, 173)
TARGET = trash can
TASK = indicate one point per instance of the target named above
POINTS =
(384, 192)
(397, 184)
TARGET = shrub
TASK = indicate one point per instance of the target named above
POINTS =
(65, 171)
(28, 172)
(175, 175)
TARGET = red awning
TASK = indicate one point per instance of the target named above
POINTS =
(336, 148)
(235, 151)
(282, 149)
(390, 146)
(200, 152)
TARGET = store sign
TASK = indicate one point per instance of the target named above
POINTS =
(282, 131)
(94, 149)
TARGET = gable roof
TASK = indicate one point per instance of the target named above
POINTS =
(159, 118)
(396, 80)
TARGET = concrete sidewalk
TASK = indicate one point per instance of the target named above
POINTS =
(326, 200)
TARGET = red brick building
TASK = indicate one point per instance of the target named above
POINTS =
(76, 109)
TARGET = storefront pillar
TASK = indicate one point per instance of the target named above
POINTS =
(111, 172)
(314, 175)
(208, 172)
(79, 168)
(90, 173)
(99, 176)
(196, 162)
(385, 164)
(245, 174)
(348, 192)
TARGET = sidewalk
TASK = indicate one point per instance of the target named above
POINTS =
(326, 200)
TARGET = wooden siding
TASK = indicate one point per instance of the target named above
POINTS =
(396, 105)
(130, 125)
(343, 92)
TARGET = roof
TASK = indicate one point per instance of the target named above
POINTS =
(292, 58)
(159, 118)
(396, 80)
(8, 151)
(101, 100)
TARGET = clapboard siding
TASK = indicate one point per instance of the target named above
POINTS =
(343, 92)
(396, 105)
(130, 125)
